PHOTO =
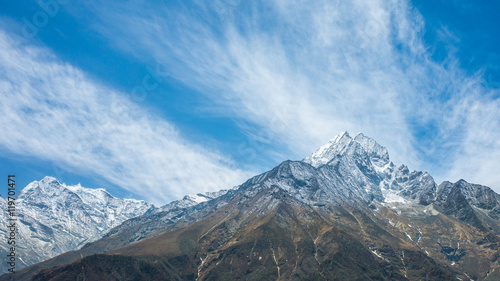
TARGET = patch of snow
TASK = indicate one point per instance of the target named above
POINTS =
(378, 255)
(391, 197)
(196, 198)
(200, 266)
(408, 235)
(275, 260)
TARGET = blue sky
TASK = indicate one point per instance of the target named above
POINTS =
(155, 99)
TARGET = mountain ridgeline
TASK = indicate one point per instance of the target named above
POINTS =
(345, 212)
(54, 218)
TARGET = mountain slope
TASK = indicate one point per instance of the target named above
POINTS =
(267, 236)
(343, 213)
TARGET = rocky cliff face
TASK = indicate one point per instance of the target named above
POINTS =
(343, 213)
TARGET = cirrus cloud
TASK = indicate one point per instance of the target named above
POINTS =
(55, 112)
(320, 67)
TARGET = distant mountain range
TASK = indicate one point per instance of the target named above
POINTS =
(345, 212)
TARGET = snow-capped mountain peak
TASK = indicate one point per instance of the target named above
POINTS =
(328, 151)
(363, 160)
(344, 144)
(47, 185)
(54, 218)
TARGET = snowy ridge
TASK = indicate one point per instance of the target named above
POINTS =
(190, 200)
(54, 218)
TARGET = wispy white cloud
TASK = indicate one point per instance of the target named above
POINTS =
(54, 111)
(477, 157)
(313, 78)
(315, 68)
